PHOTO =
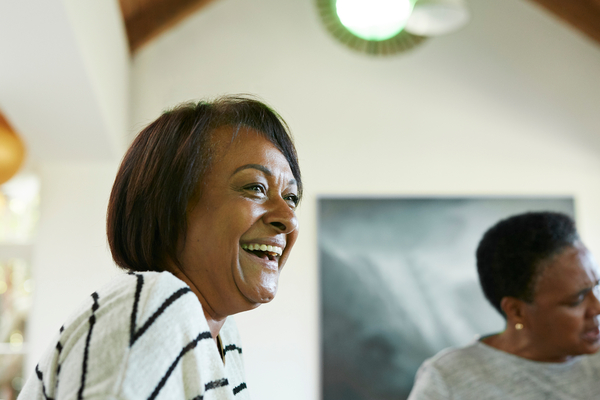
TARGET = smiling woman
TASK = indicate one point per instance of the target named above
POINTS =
(202, 217)
(248, 200)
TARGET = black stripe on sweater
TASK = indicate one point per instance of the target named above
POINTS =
(239, 388)
(232, 347)
(136, 300)
(87, 345)
(40, 376)
(57, 372)
(216, 384)
(191, 345)
(59, 350)
(134, 334)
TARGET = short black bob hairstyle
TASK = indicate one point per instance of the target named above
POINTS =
(511, 253)
(161, 174)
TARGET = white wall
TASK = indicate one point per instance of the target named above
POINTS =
(64, 85)
(507, 106)
(71, 257)
(99, 30)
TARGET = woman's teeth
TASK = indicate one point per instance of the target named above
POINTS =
(276, 250)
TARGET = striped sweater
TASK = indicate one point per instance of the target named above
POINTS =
(142, 336)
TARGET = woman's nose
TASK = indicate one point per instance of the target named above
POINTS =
(281, 216)
(595, 306)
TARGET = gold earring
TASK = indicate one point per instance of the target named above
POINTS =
(519, 326)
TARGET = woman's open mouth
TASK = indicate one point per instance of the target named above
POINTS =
(266, 252)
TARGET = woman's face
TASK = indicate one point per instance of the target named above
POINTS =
(241, 231)
(563, 318)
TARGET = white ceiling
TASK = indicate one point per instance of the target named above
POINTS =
(65, 69)
(64, 72)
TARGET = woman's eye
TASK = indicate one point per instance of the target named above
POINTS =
(577, 301)
(257, 189)
(292, 200)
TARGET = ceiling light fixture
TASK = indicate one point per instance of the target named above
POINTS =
(383, 27)
(374, 19)
(437, 17)
(12, 151)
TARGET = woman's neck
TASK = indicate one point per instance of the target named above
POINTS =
(215, 323)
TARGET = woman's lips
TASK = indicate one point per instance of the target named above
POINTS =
(592, 335)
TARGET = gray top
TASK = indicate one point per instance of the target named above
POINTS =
(481, 372)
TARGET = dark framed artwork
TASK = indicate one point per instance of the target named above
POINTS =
(398, 283)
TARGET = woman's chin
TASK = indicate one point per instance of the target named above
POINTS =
(256, 298)
(258, 293)
(593, 348)
(591, 339)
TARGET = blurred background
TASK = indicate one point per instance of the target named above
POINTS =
(505, 104)
(399, 284)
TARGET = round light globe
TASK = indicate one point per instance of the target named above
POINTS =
(12, 154)
(374, 19)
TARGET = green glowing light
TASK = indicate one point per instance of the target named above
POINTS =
(374, 19)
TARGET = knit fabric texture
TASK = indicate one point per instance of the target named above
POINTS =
(481, 372)
(142, 336)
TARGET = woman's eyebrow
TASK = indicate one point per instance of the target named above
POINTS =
(587, 289)
(259, 167)
(593, 286)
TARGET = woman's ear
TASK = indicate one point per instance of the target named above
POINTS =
(514, 309)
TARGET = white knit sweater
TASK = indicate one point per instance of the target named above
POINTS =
(142, 336)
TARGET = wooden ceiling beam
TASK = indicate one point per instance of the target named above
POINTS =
(146, 19)
(584, 15)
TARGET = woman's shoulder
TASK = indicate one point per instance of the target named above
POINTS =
(135, 321)
(134, 298)
(460, 364)
(130, 281)
(463, 370)
(152, 294)
(140, 293)
(451, 357)
(145, 285)
(438, 375)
